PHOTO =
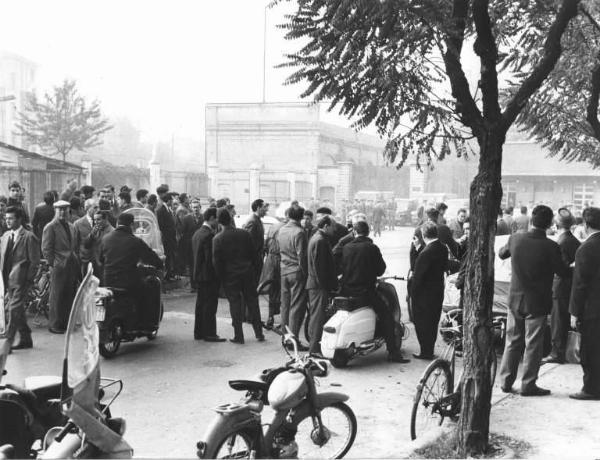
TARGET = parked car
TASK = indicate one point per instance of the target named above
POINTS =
(268, 221)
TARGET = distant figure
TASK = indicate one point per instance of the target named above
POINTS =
(502, 227)
(141, 197)
(42, 214)
(456, 225)
(521, 222)
(585, 307)
(508, 217)
(441, 208)
(190, 224)
(535, 260)
(166, 224)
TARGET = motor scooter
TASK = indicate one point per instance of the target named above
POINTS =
(306, 424)
(354, 329)
(27, 412)
(121, 320)
(91, 431)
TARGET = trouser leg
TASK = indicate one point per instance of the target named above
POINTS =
(386, 321)
(202, 299)
(209, 318)
(275, 298)
(513, 348)
(233, 291)
(317, 303)
(17, 320)
(285, 300)
(249, 284)
(432, 330)
(419, 321)
(534, 350)
(297, 303)
(590, 355)
(559, 323)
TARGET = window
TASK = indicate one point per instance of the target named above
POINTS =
(303, 191)
(583, 195)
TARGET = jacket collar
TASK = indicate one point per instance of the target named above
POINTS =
(537, 233)
(363, 239)
(124, 229)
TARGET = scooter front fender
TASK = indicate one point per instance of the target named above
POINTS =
(322, 400)
(229, 418)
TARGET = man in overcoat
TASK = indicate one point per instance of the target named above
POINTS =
(59, 248)
(19, 260)
(190, 223)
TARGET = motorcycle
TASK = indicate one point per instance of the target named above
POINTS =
(26, 412)
(306, 424)
(91, 431)
(119, 318)
(353, 328)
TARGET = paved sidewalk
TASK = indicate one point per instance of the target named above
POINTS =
(555, 426)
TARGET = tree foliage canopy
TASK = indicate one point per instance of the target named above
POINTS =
(398, 64)
(62, 121)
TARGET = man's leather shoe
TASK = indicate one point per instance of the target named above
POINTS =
(214, 338)
(198, 337)
(583, 396)
(396, 357)
(535, 391)
(552, 360)
(261, 338)
(236, 340)
(56, 331)
(22, 345)
(506, 389)
(424, 357)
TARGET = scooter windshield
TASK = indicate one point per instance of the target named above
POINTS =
(82, 338)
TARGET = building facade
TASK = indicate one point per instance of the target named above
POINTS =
(280, 152)
(17, 78)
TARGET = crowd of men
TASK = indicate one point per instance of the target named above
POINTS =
(557, 278)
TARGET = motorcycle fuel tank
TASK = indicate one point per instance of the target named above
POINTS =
(346, 328)
(287, 390)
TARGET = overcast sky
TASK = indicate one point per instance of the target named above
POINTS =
(157, 62)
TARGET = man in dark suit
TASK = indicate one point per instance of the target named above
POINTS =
(166, 224)
(362, 263)
(561, 288)
(255, 227)
(59, 248)
(427, 289)
(42, 214)
(444, 234)
(190, 223)
(535, 260)
(321, 280)
(233, 260)
(585, 305)
(83, 229)
(339, 230)
(205, 278)
(19, 260)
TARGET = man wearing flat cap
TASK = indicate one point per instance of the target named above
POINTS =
(561, 288)
(59, 248)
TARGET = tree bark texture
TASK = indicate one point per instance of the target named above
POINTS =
(478, 348)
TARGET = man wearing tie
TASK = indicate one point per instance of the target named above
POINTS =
(19, 260)
(59, 247)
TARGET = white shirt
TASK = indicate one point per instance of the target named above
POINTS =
(427, 243)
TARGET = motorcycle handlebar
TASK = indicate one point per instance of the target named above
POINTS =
(65, 430)
(394, 277)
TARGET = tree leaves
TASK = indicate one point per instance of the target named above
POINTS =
(62, 121)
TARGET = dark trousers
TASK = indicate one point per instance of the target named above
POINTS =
(317, 303)
(63, 286)
(377, 228)
(207, 300)
(524, 338)
(257, 272)
(293, 301)
(242, 290)
(386, 321)
(17, 321)
(275, 298)
(560, 322)
(590, 355)
(426, 317)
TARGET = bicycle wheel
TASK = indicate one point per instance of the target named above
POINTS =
(435, 385)
(339, 432)
(235, 445)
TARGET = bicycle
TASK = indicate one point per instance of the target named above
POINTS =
(39, 294)
(436, 398)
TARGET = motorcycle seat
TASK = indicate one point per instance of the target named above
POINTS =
(349, 303)
(248, 385)
(44, 386)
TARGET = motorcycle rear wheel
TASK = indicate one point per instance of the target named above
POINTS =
(109, 348)
(340, 428)
(340, 359)
(234, 445)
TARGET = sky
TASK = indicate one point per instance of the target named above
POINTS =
(156, 62)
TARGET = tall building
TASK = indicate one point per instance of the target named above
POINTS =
(17, 78)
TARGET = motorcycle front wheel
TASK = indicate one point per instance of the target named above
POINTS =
(335, 438)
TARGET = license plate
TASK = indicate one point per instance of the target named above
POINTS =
(100, 313)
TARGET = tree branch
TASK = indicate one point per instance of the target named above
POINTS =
(552, 51)
(465, 105)
(592, 107)
(485, 48)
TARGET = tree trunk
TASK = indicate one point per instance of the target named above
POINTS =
(478, 345)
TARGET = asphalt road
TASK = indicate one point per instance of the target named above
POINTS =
(171, 384)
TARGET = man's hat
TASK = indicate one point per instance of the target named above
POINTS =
(61, 204)
(125, 189)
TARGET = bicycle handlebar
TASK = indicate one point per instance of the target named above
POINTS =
(393, 277)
